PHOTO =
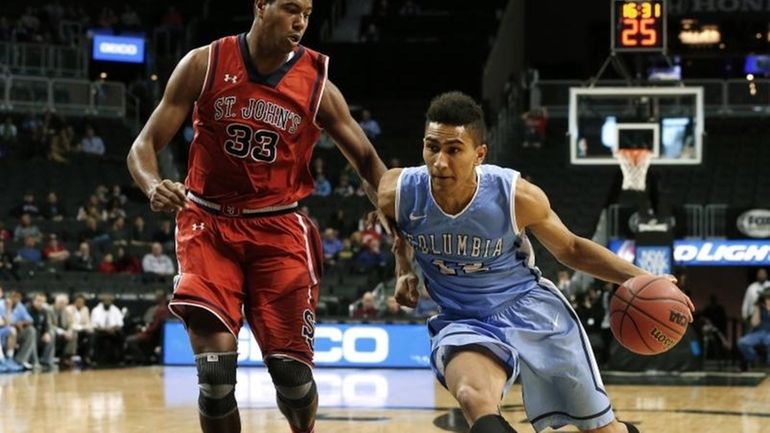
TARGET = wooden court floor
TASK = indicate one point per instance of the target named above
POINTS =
(164, 399)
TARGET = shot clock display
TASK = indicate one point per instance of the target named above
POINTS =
(638, 25)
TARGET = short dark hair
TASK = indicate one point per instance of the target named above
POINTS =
(458, 109)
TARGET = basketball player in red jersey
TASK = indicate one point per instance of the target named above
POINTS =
(259, 101)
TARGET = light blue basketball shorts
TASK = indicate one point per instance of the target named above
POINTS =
(538, 335)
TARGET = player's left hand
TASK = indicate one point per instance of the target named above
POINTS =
(690, 305)
(406, 290)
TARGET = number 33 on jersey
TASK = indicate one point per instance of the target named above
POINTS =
(254, 130)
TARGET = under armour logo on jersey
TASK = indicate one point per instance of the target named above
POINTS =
(197, 227)
(231, 78)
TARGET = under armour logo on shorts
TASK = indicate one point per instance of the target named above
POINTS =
(231, 210)
(197, 227)
(212, 358)
(231, 78)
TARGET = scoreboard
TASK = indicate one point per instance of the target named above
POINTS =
(638, 26)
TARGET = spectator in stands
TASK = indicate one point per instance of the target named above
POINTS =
(8, 136)
(381, 9)
(54, 251)
(394, 163)
(53, 210)
(322, 186)
(30, 253)
(164, 235)
(372, 259)
(102, 193)
(25, 332)
(82, 260)
(60, 141)
(126, 263)
(107, 18)
(115, 210)
(370, 126)
(81, 324)
(7, 335)
(92, 208)
(535, 124)
(752, 294)
(107, 321)
(139, 235)
(116, 193)
(409, 8)
(143, 345)
(331, 245)
(91, 144)
(119, 233)
(7, 265)
(107, 265)
(93, 234)
(27, 206)
(42, 321)
(346, 254)
(760, 334)
(426, 306)
(344, 188)
(156, 262)
(366, 308)
(64, 330)
(26, 229)
(5, 234)
(393, 310)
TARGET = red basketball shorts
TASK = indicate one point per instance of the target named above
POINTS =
(265, 269)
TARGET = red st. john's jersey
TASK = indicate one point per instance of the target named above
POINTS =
(254, 134)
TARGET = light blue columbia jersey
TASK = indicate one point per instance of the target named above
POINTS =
(475, 262)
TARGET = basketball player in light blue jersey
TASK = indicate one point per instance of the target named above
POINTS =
(466, 222)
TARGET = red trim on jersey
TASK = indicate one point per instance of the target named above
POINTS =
(318, 85)
(213, 60)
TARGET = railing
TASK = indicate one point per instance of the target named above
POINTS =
(44, 59)
(721, 97)
(716, 221)
(63, 95)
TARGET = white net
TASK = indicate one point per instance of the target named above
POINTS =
(634, 164)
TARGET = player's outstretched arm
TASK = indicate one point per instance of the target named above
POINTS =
(334, 116)
(533, 211)
(182, 90)
(406, 280)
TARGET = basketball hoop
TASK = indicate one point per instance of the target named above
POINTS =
(634, 164)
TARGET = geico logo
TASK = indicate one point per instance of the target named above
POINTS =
(344, 345)
(707, 252)
(661, 337)
(114, 48)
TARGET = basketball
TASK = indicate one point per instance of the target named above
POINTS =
(648, 314)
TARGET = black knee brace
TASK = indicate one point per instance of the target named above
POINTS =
(293, 381)
(491, 424)
(216, 380)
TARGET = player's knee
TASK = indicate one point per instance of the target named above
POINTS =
(216, 380)
(472, 399)
(293, 381)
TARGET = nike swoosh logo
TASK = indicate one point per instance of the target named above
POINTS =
(413, 217)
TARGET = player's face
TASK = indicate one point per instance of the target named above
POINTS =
(451, 154)
(284, 21)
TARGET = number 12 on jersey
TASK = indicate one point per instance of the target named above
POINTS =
(246, 142)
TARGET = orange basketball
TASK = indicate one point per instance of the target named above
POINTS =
(648, 314)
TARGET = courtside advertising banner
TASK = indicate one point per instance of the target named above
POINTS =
(336, 345)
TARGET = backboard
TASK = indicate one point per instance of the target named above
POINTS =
(666, 120)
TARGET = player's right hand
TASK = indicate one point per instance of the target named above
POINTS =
(406, 290)
(168, 196)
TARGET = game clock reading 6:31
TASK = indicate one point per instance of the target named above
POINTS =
(639, 25)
